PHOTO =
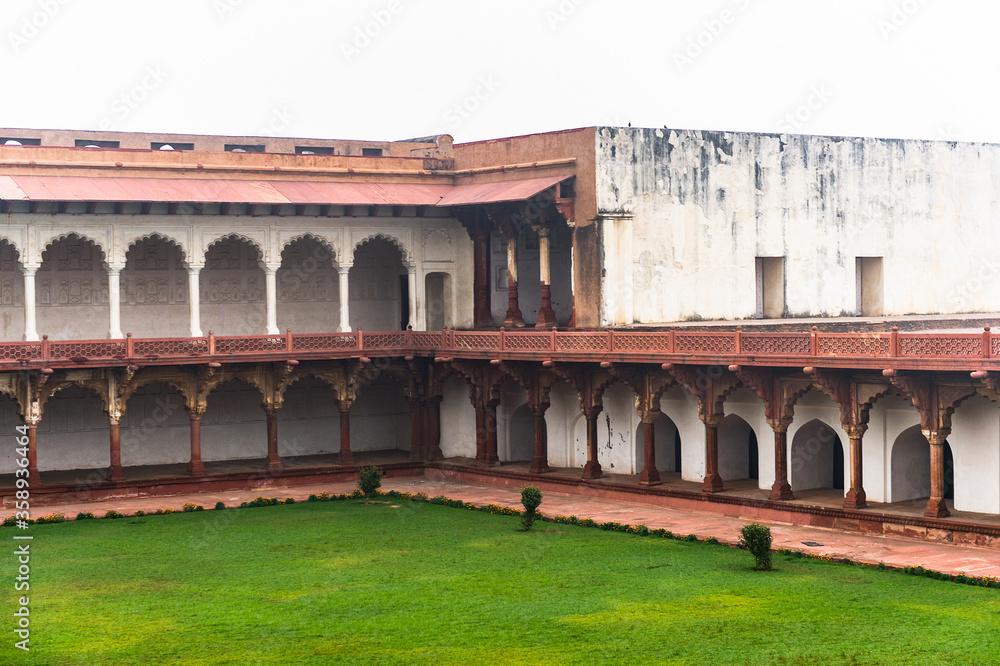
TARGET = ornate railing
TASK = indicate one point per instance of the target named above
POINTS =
(893, 349)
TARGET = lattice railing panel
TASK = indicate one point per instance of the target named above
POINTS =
(941, 346)
(724, 343)
(854, 345)
(581, 341)
(169, 346)
(995, 346)
(331, 341)
(776, 343)
(477, 340)
(384, 340)
(20, 351)
(427, 340)
(528, 341)
(88, 349)
(248, 345)
(642, 342)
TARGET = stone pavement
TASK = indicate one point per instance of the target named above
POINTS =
(895, 551)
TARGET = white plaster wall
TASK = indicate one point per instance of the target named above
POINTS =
(380, 417)
(560, 419)
(9, 419)
(154, 290)
(11, 294)
(233, 291)
(155, 429)
(309, 420)
(664, 432)
(703, 205)
(810, 464)
(458, 420)
(74, 432)
(71, 291)
(234, 426)
(682, 408)
(308, 288)
(616, 431)
(748, 406)
(888, 417)
(975, 445)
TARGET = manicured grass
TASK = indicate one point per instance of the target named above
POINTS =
(395, 582)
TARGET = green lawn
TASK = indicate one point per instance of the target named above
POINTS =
(396, 582)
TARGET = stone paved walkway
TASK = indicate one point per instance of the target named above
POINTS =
(949, 558)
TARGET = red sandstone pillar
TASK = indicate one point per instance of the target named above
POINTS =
(273, 460)
(116, 472)
(34, 477)
(592, 470)
(936, 506)
(433, 428)
(195, 467)
(346, 457)
(649, 476)
(416, 430)
(546, 315)
(480, 431)
(540, 463)
(780, 490)
(490, 424)
(481, 285)
(855, 498)
(513, 316)
(713, 482)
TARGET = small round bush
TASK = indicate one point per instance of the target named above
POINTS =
(757, 539)
(369, 480)
(220, 505)
(531, 497)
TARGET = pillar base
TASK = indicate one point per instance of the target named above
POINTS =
(539, 466)
(712, 484)
(936, 508)
(196, 468)
(34, 478)
(856, 499)
(649, 477)
(492, 461)
(546, 315)
(116, 473)
(780, 491)
(592, 470)
(434, 454)
(345, 459)
(274, 466)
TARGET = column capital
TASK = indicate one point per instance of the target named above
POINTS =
(194, 269)
(936, 437)
(411, 270)
(271, 269)
(779, 425)
(344, 269)
(856, 431)
(712, 420)
(115, 268)
(30, 269)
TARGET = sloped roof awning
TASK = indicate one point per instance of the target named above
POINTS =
(195, 190)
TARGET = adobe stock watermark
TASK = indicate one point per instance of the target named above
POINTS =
(280, 120)
(32, 24)
(463, 109)
(898, 17)
(130, 100)
(712, 29)
(794, 120)
(223, 8)
(365, 34)
(561, 13)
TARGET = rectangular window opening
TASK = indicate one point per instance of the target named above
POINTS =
(770, 287)
(244, 147)
(371, 152)
(94, 143)
(172, 145)
(314, 150)
(870, 298)
(19, 141)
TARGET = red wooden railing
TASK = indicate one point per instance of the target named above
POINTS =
(930, 351)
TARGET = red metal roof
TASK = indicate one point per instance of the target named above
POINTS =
(192, 190)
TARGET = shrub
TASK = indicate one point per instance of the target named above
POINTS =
(220, 505)
(712, 540)
(757, 539)
(690, 538)
(111, 513)
(369, 480)
(139, 513)
(84, 515)
(531, 497)
(289, 500)
(191, 506)
(51, 518)
(312, 498)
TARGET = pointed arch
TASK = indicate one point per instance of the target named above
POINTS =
(324, 241)
(47, 243)
(404, 252)
(256, 243)
(141, 236)
(816, 458)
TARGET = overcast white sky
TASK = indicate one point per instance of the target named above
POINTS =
(395, 69)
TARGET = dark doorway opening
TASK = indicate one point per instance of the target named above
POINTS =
(404, 302)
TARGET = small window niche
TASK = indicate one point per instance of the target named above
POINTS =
(244, 147)
(870, 299)
(371, 152)
(770, 287)
(93, 143)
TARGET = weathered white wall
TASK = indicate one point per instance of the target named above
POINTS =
(154, 290)
(11, 294)
(308, 288)
(458, 420)
(309, 420)
(155, 429)
(810, 449)
(380, 417)
(73, 432)
(749, 407)
(975, 445)
(703, 205)
(682, 408)
(71, 291)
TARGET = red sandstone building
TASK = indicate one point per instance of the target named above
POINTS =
(599, 309)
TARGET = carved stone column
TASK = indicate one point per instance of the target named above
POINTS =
(116, 472)
(271, 291)
(936, 506)
(855, 498)
(34, 477)
(592, 470)
(546, 315)
(416, 430)
(346, 457)
(540, 463)
(273, 460)
(491, 459)
(194, 300)
(195, 466)
(411, 283)
(481, 283)
(780, 490)
(343, 273)
(433, 428)
(713, 482)
(30, 325)
(513, 316)
(650, 476)
(114, 302)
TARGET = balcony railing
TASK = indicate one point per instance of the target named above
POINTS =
(927, 351)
